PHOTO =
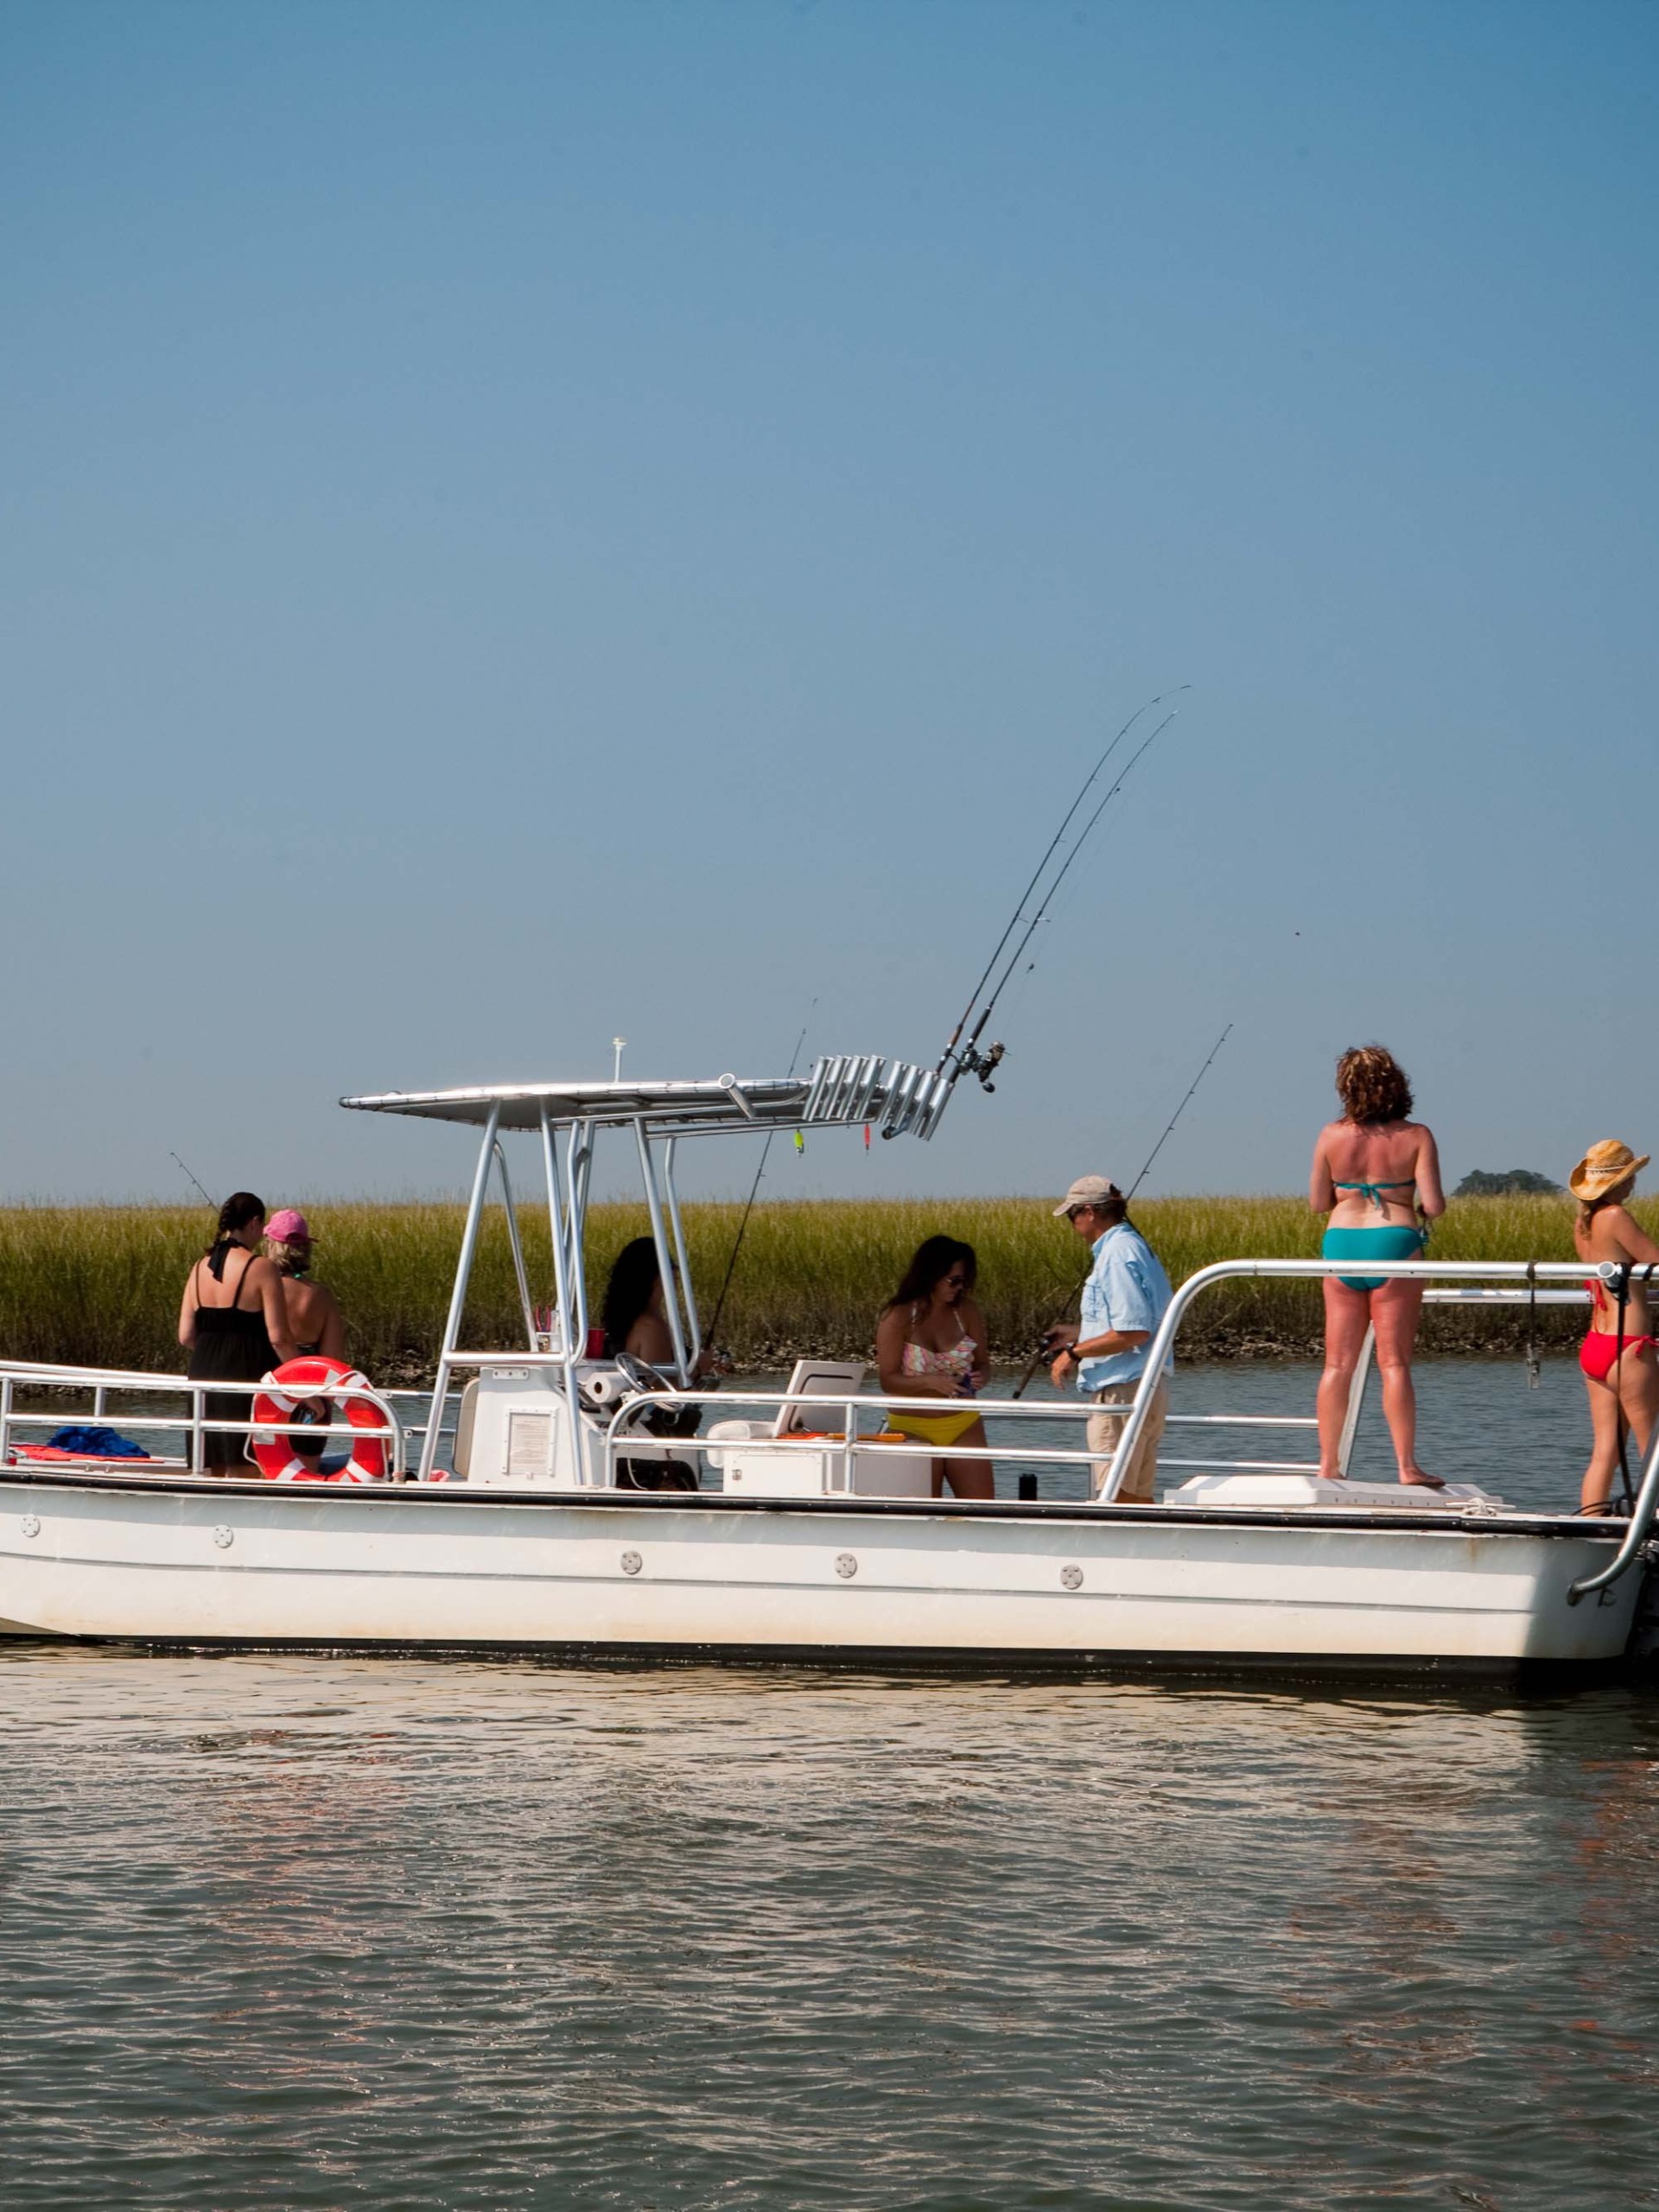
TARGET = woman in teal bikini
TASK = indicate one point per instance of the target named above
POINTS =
(1377, 1174)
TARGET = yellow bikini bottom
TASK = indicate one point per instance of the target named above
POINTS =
(935, 1428)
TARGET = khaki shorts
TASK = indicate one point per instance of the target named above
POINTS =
(1104, 1429)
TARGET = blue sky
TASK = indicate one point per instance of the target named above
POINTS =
(522, 523)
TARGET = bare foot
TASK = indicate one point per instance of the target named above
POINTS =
(1415, 1478)
(1326, 1476)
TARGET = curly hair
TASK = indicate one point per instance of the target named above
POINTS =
(1372, 1085)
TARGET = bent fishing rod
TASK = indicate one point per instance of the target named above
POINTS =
(1041, 1352)
(967, 1058)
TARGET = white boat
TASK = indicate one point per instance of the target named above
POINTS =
(506, 1520)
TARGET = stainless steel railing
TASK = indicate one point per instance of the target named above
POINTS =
(623, 1439)
(1529, 1272)
(101, 1383)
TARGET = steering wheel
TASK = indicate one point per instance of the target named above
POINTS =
(643, 1376)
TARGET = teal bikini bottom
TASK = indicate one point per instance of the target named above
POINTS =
(1396, 1242)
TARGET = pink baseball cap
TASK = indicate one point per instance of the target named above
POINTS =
(288, 1227)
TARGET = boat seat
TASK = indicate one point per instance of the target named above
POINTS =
(464, 1421)
(818, 1378)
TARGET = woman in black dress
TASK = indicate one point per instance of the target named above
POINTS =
(234, 1325)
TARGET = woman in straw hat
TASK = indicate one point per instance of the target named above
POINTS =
(1621, 1371)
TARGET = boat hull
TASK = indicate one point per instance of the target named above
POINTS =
(840, 1580)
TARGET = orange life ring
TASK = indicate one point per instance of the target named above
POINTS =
(312, 1376)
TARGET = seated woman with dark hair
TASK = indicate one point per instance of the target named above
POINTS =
(930, 1343)
(1377, 1174)
(633, 1318)
(633, 1314)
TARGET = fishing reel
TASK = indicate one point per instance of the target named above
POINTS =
(983, 1064)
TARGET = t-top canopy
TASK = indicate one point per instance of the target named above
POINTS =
(841, 1089)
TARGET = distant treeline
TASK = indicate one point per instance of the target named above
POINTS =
(102, 1284)
(1506, 1183)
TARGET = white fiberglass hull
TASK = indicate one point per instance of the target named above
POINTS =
(194, 1561)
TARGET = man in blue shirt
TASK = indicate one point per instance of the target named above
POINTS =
(1123, 1301)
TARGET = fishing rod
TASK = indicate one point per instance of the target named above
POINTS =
(189, 1177)
(737, 1242)
(968, 1059)
(1041, 1351)
(1037, 873)
(1176, 1114)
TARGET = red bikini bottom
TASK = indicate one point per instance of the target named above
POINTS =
(1599, 1353)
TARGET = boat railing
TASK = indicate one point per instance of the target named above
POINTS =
(1516, 1281)
(105, 1383)
(624, 1439)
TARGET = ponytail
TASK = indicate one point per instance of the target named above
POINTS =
(238, 1210)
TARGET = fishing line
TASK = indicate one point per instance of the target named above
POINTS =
(742, 1226)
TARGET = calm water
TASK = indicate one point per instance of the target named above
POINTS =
(334, 1933)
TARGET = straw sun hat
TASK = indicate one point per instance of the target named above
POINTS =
(1603, 1166)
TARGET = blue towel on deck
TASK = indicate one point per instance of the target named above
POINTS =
(97, 1443)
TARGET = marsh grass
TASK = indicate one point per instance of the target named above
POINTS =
(102, 1284)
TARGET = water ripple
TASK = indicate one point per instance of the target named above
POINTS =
(301, 1932)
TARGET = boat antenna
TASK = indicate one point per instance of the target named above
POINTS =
(1037, 1356)
(742, 1226)
(968, 1060)
(189, 1177)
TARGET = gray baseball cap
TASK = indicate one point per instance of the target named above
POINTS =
(1089, 1190)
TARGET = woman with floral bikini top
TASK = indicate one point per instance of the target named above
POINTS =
(930, 1341)
(1617, 1357)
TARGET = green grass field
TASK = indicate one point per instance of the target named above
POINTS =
(102, 1284)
